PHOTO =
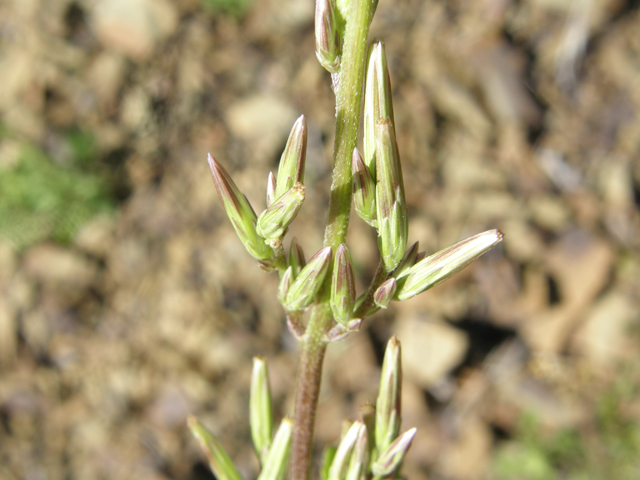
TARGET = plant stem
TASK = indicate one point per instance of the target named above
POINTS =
(349, 91)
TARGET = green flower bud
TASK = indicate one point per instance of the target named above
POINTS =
(408, 261)
(340, 331)
(364, 189)
(359, 457)
(219, 461)
(377, 102)
(340, 463)
(393, 226)
(389, 460)
(261, 415)
(385, 292)
(308, 283)
(291, 168)
(435, 269)
(343, 289)
(274, 221)
(388, 404)
(276, 463)
(327, 41)
(296, 257)
(239, 211)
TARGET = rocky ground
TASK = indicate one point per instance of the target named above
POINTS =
(127, 303)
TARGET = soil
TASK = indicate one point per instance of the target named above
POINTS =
(517, 115)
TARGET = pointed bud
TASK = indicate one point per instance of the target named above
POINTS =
(343, 288)
(385, 292)
(291, 168)
(285, 284)
(261, 415)
(239, 211)
(444, 264)
(408, 261)
(271, 189)
(393, 226)
(389, 461)
(340, 463)
(327, 42)
(296, 257)
(219, 461)
(364, 189)
(274, 221)
(277, 461)
(308, 283)
(377, 102)
(359, 457)
(388, 404)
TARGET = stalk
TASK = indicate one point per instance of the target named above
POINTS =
(349, 92)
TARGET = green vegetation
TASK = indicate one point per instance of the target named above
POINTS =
(607, 448)
(42, 200)
(236, 8)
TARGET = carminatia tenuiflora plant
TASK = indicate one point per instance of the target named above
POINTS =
(323, 286)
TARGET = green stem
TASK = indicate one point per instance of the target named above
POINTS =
(379, 277)
(349, 92)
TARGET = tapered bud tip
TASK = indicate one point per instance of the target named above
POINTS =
(385, 292)
(323, 253)
(356, 161)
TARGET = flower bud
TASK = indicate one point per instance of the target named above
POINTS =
(340, 463)
(296, 257)
(277, 461)
(327, 41)
(359, 457)
(343, 289)
(393, 226)
(219, 461)
(385, 292)
(261, 415)
(388, 404)
(291, 168)
(435, 269)
(364, 189)
(239, 211)
(390, 459)
(308, 283)
(274, 221)
(377, 102)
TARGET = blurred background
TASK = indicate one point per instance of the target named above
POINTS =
(126, 302)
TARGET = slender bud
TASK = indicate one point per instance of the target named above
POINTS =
(377, 101)
(285, 284)
(219, 461)
(408, 261)
(328, 455)
(274, 221)
(388, 404)
(385, 292)
(340, 463)
(239, 211)
(271, 189)
(393, 226)
(340, 331)
(444, 264)
(261, 415)
(291, 168)
(359, 457)
(343, 289)
(276, 463)
(364, 189)
(327, 42)
(390, 459)
(296, 257)
(308, 283)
